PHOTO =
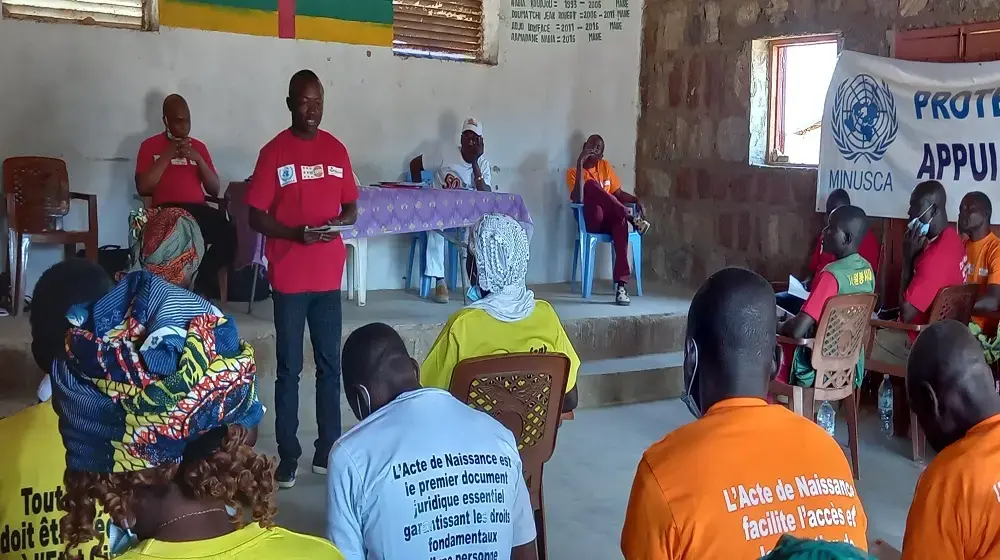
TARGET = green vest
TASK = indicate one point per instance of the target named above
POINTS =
(854, 276)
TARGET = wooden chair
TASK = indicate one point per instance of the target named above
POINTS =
(842, 331)
(220, 203)
(524, 392)
(38, 198)
(952, 302)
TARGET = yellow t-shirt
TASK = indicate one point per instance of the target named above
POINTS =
(982, 266)
(31, 479)
(472, 333)
(252, 542)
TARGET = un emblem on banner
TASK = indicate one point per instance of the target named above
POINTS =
(863, 118)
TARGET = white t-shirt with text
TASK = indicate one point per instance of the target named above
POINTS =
(453, 172)
(427, 477)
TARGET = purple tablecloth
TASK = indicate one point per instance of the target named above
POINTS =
(388, 211)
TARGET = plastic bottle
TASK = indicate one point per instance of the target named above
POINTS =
(885, 405)
(826, 418)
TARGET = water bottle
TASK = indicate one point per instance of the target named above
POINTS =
(885, 405)
(826, 418)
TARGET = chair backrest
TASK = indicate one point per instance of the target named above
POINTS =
(581, 224)
(840, 335)
(426, 177)
(40, 189)
(954, 302)
(524, 392)
(249, 243)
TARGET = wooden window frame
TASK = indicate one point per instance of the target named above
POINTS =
(777, 55)
(451, 26)
(960, 32)
(38, 11)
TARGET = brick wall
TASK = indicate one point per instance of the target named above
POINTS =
(710, 207)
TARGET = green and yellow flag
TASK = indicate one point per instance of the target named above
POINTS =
(362, 22)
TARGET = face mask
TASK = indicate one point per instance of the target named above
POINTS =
(688, 396)
(364, 402)
(474, 294)
(120, 540)
(916, 224)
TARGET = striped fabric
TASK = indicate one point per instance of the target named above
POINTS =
(363, 22)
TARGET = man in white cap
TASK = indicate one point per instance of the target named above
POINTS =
(465, 168)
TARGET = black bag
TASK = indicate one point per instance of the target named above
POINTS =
(241, 282)
(112, 258)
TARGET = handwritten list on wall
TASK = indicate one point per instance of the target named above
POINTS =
(566, 21)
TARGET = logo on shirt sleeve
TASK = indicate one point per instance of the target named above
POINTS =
(335, 171)
(286, 175)
(312, 172)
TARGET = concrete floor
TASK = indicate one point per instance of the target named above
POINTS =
(586, 492)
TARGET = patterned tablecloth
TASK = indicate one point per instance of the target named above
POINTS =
(389, 211)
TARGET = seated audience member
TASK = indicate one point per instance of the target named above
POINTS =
(35, 453)
(850, 273)
(869, 249)
(176, 171)
(791, 548)
(982, 251)
(383, 470)
(604, 209)
(730, 355)
(159, 430)
(465, 168)
(950, 388)
(171, 247)
(504, 315)
(932, 259)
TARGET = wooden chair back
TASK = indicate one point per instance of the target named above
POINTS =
(954, 302)
(524, 392)
(841, 334)
(40, 189)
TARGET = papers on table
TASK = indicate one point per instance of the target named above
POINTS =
(328, 229)
(795, 288)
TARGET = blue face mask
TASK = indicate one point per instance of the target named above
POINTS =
(120, 540)
(921, 227)
(474, 294)
(687, 397)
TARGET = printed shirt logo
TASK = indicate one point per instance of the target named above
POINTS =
(452, 181)
(335, 171)
(863, 119)
(966, 267)
(179, 161)
(286, 175)
(312, 172)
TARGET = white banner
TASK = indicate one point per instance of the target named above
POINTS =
(889, 124)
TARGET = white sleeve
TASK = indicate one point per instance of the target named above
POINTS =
(343, 517)
(523, 516)
(484, 166)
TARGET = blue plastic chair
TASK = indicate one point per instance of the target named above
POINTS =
(586, 246)
(419, 241)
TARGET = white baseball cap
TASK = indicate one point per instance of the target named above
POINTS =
(473, 125)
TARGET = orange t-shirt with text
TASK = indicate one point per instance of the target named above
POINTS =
(731, 483)
(982, 266)
(955, 512)
(603, 173)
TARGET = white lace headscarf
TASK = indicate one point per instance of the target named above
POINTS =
(500, 247)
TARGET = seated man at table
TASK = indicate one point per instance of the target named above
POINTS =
(950, 387)
(982, 251)
(504, 315)
(465, 168)
(604, 209)
(850, 273)
(723, 486)
(869, 249)
(176, 171)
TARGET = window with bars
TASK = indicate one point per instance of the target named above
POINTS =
(128, 14)
(449, 29)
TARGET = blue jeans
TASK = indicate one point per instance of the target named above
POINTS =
(322, 310)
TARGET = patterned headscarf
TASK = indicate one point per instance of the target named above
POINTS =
(791, 548)
(151, 367)
(500, 246)
(170, 245)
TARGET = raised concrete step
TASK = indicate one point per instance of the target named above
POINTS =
(643, 378)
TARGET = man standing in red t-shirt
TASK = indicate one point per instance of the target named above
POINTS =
(176, 171)
(303, 180)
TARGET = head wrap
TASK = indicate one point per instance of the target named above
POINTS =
(500, 246)
(791, 548)
(150, 367)
(170, 245)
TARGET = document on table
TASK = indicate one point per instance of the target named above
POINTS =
(795, 288)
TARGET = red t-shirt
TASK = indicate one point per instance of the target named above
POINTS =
(303, 183)
(824, 287)
(938, 266)
(180, 182)
(869, 250)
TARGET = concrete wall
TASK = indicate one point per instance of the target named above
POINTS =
(711, 207)
(90, 95)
